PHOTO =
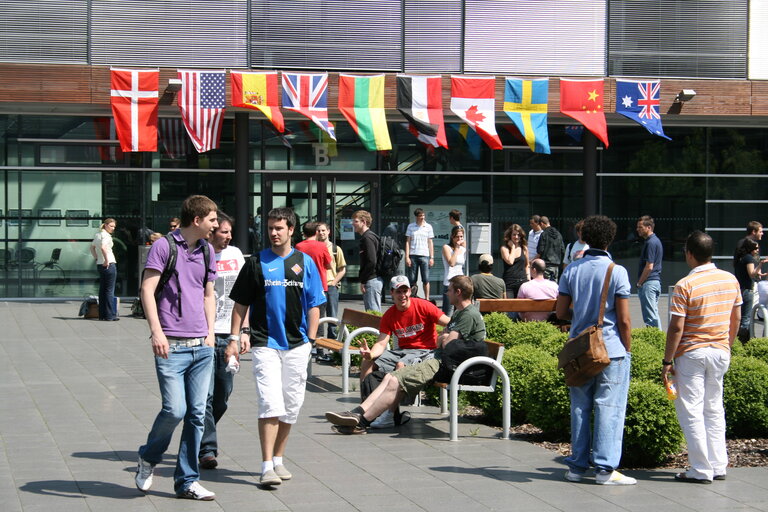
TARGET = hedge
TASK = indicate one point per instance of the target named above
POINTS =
(745, 396)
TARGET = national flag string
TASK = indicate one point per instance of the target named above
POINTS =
(639, 101)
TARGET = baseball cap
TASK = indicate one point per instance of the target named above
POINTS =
(486, 258)
(398, 281)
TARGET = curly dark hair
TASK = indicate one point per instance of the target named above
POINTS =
(598, 231)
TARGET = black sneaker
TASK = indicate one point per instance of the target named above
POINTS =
(344, 419)
(208, 462)
(349, 431)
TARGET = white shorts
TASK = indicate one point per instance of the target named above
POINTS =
(281, 380)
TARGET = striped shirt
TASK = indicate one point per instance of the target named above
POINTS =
(705, 298)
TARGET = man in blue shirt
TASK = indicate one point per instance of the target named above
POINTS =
(649, 272)
(284, 290)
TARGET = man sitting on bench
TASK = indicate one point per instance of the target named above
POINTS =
(412, 321)
(466, 323)
(537, 288)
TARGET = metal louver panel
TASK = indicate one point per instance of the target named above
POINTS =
(678, 38)
(326, 34)
(535, 37)
(758, 40)
(433, 36)
(190, 33)
(44, 31)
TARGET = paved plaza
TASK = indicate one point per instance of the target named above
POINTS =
(77, 398)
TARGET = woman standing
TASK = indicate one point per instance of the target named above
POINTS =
(746, 266)
(598, 407)
(101, 250)
(514, 254)
(454, 255)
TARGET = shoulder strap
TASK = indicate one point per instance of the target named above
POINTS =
(206, 260)
(170, 264)
(604, 294)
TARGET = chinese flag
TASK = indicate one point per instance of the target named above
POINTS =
(134, 107)
(583, 100)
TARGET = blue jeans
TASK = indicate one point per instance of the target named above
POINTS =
(649, 302)
(372, 295)
(748, 299)
(184, 380)
(332, 308)
(107, 279)
(218, 394)
(418, 264)
(447, 307)
(606, 395)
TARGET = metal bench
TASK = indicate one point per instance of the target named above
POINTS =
(363, 323)
(496, 353)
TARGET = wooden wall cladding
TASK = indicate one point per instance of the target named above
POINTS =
(38, 83)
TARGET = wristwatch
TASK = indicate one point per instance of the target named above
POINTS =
(667, 363)
(245, 330)
(233, 337)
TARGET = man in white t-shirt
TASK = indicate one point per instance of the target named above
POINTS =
(537, 288)
(229, 262)
(534, 234)
(419, 250)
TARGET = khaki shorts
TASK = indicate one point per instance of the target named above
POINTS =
(415, 377)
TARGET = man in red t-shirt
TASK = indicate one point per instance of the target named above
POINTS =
(316, 250)
(412, 321)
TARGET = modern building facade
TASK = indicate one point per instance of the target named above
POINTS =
(61, 170)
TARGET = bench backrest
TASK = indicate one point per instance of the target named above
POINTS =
(360, 319)
(516, 305)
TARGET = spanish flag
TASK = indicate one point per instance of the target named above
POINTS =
(361, 101)
(258, 91)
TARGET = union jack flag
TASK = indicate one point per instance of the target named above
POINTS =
(639, 101)
(307, 94)
(202, 104)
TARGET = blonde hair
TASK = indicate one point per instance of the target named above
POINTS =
(108, 220)
(363, 216)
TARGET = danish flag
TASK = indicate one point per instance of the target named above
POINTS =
(134, 102)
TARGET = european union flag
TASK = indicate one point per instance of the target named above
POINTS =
(525, 102)
(639, 101)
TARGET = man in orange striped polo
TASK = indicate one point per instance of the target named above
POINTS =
(706, 310)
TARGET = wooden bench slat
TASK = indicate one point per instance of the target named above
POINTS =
(329, 343)
(360, 319)
(516, 305)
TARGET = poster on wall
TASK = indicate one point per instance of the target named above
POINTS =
(437, 217)
(346, 231)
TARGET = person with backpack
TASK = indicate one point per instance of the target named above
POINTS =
(370, 280)
(177, 294)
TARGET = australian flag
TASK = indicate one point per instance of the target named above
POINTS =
(639, 101)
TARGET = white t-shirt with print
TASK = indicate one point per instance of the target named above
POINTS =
(229, 262)
(420, 236)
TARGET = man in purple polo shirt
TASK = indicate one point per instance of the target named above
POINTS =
(181, 320)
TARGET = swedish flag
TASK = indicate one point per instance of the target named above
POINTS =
(525, 102)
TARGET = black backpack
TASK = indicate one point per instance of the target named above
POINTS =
(388, 258)
(458, 351)
(169, 270)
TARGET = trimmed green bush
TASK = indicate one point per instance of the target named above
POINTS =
(745, 395)
(646, 358)
(554, 343)
(497, 327)
(651, 430)
(737, 349)
(547, 400)
(756, 347)
(531, 333)
(649, 336)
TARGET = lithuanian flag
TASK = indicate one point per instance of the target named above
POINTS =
(258, 91)
(361, 101)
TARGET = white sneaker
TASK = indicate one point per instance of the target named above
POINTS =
(144, 475)
(573, 477)
(195, 491)
(385, 420)
(614, 478)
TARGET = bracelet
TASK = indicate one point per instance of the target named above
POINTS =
(245, 330)
(667, 363)
(233, 337)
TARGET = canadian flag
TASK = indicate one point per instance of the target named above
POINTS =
(473, 100)
(134, 107)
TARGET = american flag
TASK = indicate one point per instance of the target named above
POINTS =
(307, 94)
(202, 104)
(172, 135)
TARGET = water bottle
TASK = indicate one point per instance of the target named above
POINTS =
(671, 389)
